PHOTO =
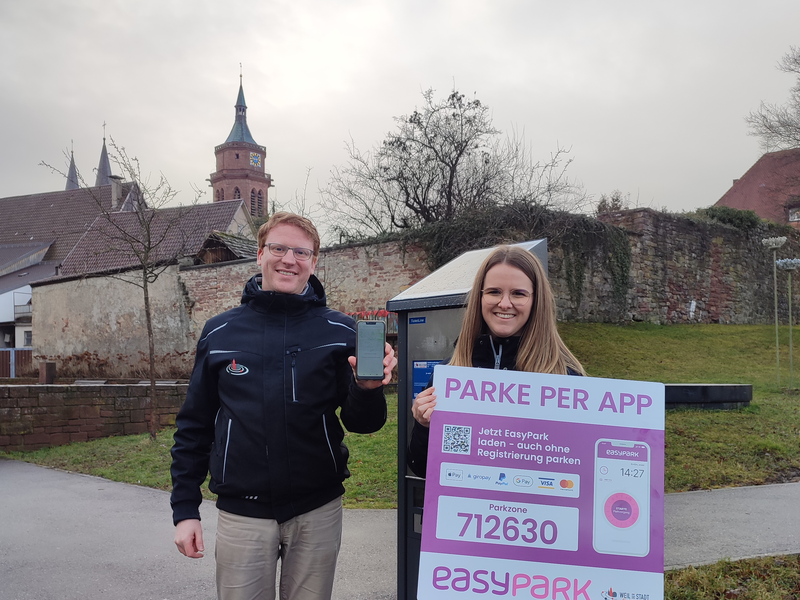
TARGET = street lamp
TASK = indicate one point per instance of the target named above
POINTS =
(789, 265)
(773, 244)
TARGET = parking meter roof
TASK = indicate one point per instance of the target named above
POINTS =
(448, 285)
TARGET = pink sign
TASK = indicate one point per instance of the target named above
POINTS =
(543, 486)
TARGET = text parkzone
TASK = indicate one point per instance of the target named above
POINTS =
(482, 581)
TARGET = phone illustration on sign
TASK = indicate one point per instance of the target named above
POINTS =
(621, 498)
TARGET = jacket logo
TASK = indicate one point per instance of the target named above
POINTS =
(235, 369)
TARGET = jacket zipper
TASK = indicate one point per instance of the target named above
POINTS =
(327, 439)
(227, 444)
(294, 379)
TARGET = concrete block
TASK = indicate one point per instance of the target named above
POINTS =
(47, 372)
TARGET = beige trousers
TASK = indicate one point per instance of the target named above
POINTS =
(248, 549)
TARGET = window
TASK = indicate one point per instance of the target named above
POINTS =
(220, 195)
(794, 215)
(253, 203)
(237, 156)
(237, 195)
(28, 338)
(260, 203)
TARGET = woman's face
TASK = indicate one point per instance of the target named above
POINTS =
(504, 305)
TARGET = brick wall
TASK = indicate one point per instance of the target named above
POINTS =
(362, 277)
(37, 416)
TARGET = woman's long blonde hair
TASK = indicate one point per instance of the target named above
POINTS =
(541, 349)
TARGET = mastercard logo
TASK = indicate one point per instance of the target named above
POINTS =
(566, 484)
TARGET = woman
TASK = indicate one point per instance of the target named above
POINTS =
(510, 323)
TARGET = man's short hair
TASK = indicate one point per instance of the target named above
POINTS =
(287, 218)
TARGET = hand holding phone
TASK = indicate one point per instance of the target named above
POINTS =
(370, 349)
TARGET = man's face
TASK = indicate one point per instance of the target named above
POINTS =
(286, 274)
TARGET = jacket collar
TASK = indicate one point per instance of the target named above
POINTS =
(262, 301)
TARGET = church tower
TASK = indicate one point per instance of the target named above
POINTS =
(240, 165)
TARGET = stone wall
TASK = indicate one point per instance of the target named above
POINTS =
(681, 271)
(38, 416)
(685, 271)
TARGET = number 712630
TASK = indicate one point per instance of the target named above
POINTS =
(517, 524)
(491, 527)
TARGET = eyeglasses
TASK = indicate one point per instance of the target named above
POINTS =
(493, 296)
(281, 250)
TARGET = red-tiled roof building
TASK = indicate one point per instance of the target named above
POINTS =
(770, 188)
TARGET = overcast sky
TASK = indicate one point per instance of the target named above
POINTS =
(650, 97)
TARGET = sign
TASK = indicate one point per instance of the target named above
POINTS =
(421, 371)
(543, 486)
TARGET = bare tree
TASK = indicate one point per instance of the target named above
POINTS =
(778, 126)
(138, 239)
(297, 204)
(443, 160)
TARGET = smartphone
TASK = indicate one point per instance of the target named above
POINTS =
(621, 511)
(370, 349)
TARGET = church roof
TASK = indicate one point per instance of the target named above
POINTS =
(240, 131)
(175, 232)
(103, 168)
(72, 174)
(59, 218)
(767, 186)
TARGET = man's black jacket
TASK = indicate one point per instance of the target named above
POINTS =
(260, 411)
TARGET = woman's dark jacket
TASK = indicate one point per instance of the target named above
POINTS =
(482, 356)
(260, 411)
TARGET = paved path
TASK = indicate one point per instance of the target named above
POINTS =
(65, 536)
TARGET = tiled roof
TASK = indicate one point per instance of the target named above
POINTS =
(23, 277)
(242, 247)
(19, 256)
(113, 242)
(58, 217)
(767, 186)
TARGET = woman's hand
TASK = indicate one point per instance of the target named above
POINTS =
(423, 406)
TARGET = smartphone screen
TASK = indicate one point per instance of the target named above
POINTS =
(621, 498)
(370, 343)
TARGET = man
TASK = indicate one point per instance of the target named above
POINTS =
(260, 415)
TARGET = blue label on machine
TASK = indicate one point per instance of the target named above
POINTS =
(416, 320)
(422, 372)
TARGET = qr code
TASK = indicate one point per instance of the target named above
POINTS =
(456, 439)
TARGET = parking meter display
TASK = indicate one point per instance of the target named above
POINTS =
(370, 348)
(621, 498)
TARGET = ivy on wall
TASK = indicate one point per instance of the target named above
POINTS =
(583, 241)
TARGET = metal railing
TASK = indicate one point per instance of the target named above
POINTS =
(14, 361)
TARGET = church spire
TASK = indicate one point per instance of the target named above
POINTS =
(104, 168)
(72, 174)
(240, 131)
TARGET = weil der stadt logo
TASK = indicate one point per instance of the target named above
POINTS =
(235, 369)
